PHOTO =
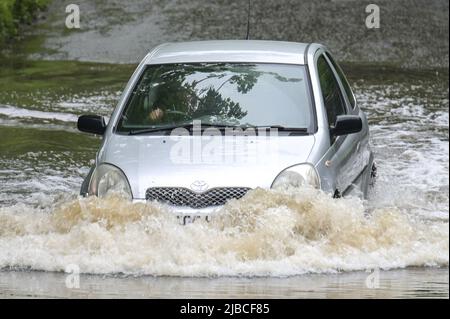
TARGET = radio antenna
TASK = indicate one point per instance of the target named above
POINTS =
(248, 20)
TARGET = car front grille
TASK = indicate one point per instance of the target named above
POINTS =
(180, 196)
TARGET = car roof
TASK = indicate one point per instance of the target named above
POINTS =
(256, 51)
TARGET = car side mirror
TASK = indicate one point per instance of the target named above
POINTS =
(92, 124)
(346, 124)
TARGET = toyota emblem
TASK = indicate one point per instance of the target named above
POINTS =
(199, 186)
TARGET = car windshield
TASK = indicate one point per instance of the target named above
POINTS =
(222, 94)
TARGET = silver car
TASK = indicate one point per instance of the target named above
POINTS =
(201, 123)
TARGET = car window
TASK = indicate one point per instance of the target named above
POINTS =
(220, 94)
(330, 91)
(348, 90)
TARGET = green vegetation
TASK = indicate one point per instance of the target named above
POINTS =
(14, 13)
(22, 75)
(32, 83)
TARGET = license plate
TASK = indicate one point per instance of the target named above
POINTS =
(187, 219)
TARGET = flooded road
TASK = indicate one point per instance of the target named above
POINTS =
(269, 244)
(410, 283)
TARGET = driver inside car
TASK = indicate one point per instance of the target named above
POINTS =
(156, 114)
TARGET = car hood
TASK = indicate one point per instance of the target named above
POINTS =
(236, 161)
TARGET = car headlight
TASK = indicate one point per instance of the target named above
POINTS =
(108, 179)
(297, 176)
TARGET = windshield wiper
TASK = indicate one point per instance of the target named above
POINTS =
(155, 129)
(173, 127)
(218, 126)
(281, 128)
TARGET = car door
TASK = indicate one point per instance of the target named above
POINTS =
(363, 155)
(342, 156)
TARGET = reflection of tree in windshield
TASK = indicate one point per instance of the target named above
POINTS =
(213, 104)
(197, 99)
(193, 91)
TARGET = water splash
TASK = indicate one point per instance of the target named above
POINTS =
(267, 233)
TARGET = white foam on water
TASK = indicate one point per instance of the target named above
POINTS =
(93, 102)
(15, 112)
(409, 135)
(36, 179)
(267, 233)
